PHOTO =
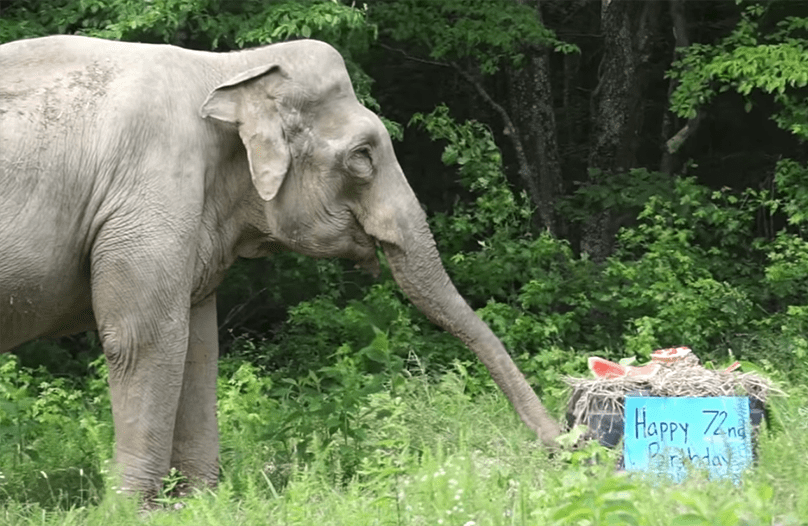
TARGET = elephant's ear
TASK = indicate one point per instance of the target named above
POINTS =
(248, 102)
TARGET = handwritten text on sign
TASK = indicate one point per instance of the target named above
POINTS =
(667, 435)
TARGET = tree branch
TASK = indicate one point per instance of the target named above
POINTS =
(674, 143)
(415, 59)
(509, 130)
(669, 120)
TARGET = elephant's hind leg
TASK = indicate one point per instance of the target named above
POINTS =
(195, 451)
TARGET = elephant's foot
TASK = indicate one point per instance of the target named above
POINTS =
(187, 481)
(171, 496)
(188, 488)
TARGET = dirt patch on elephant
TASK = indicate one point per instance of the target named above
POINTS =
(88, 86)
(72, 99)
(94, 79)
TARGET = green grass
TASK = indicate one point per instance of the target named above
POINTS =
(430, 454)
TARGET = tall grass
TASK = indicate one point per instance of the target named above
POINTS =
(430, 454)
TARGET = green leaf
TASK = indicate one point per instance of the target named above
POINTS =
(728, 517)
(690, 519)
(573, 511)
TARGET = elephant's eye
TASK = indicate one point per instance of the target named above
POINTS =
(360, 162)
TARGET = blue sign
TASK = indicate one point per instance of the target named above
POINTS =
(673, 436)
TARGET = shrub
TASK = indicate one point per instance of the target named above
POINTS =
(55, 435)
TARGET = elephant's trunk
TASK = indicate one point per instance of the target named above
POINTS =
(418, 270)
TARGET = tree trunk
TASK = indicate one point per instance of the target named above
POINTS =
(531, 104)
(616, 106)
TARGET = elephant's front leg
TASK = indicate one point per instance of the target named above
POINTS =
(196, 436)
(145, 391)
(142, 302)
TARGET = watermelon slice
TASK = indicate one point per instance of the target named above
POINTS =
(603, 368)
(646, 371)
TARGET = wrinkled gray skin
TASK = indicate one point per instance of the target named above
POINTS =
(133, 175)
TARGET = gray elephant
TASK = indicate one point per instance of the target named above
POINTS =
(133, 175)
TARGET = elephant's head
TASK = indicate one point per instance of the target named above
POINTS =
(325, 168)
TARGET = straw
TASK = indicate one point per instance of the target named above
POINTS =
(685, 377)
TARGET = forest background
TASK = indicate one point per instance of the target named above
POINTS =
(602, 178)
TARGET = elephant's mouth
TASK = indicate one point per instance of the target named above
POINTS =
(364, 250)
(366, 256)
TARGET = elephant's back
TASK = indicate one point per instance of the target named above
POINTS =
(48, 54)
(77, 112)
(59, 66)
(52, 90)
(62, 78)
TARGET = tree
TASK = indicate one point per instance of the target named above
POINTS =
(478, 40)
(531, 102)
(765, 52)
(617, 116)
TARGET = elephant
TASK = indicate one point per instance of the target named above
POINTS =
(133, 175)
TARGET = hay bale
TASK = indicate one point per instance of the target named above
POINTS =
(685, 377)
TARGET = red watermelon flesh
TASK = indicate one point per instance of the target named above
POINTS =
(649, 369)
(603, 368)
